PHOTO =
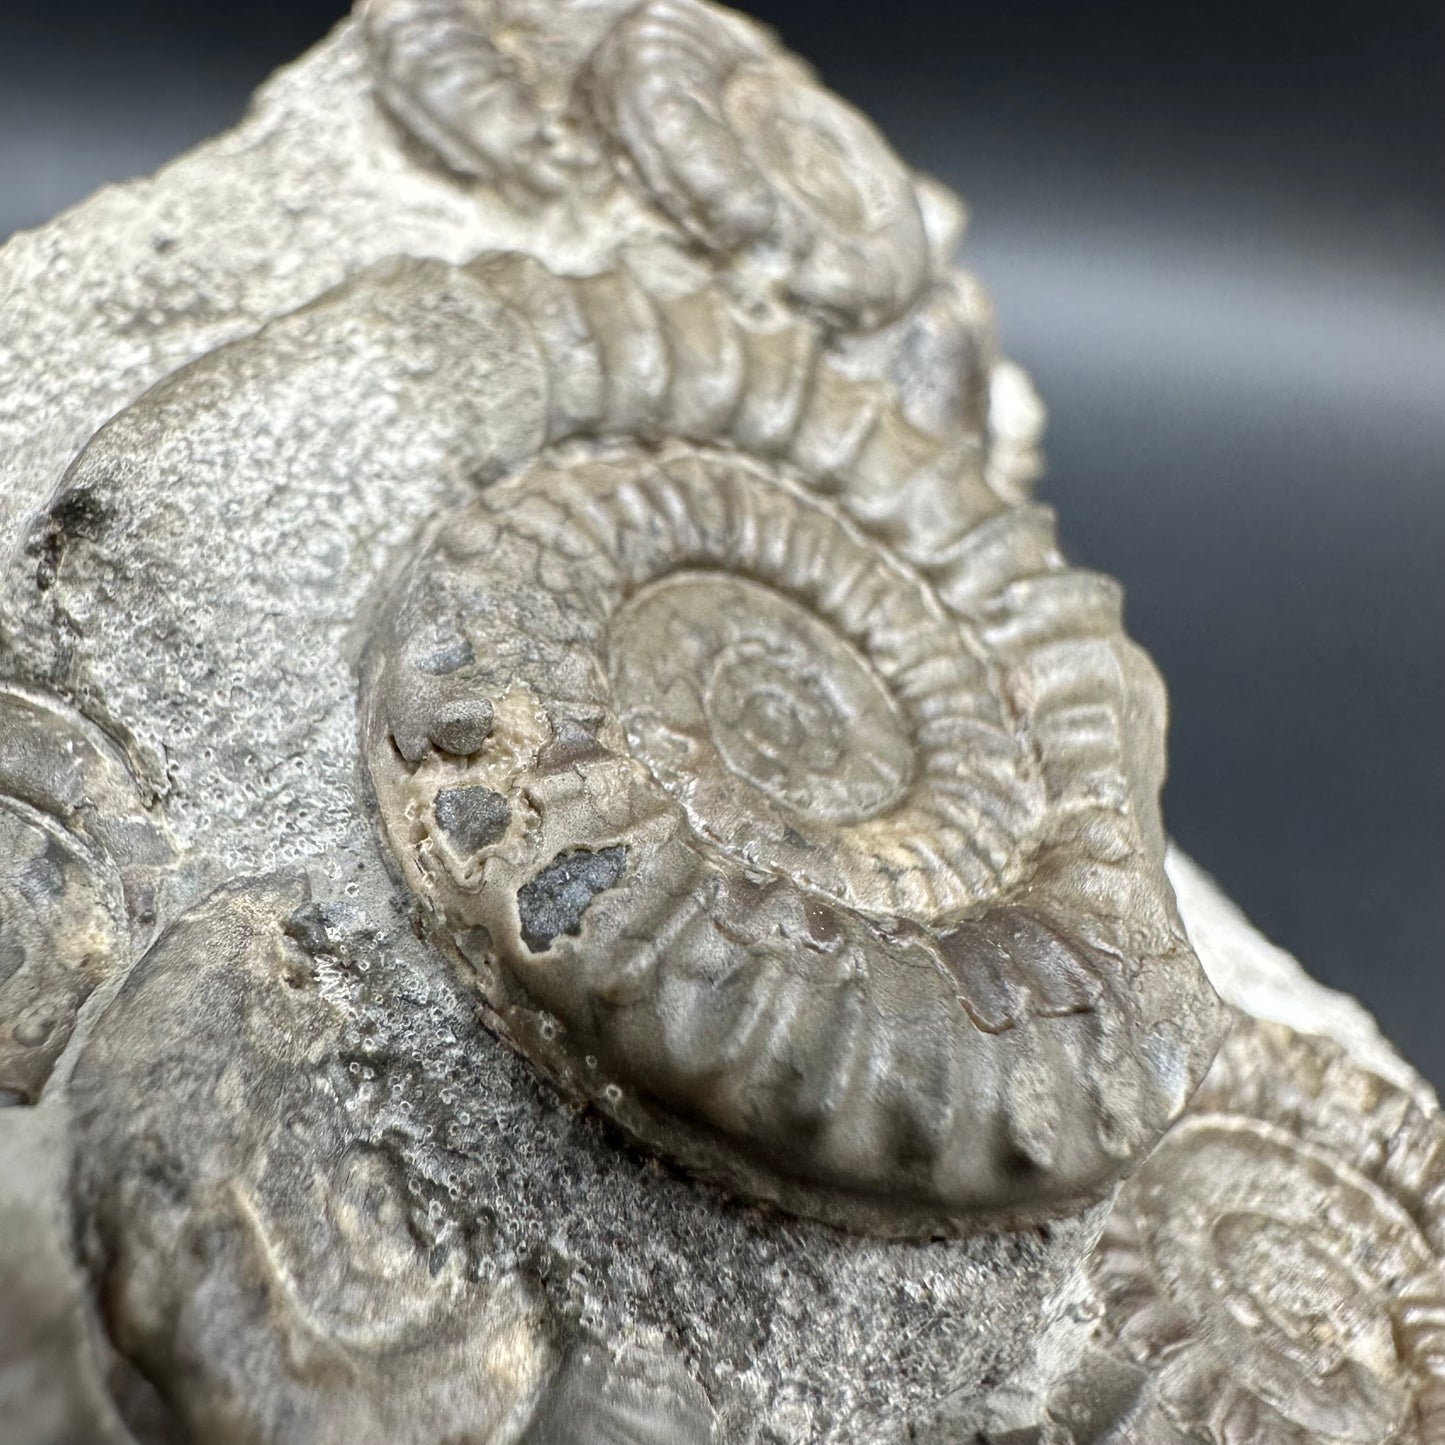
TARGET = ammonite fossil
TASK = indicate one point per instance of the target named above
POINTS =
(1278, 1265)
(744, 753)
(740, 146)
(696, 109)
(78, 844)
(196, 1207)
(453, 73)
(797, 809)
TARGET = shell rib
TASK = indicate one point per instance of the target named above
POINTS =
(441, 72)
(624, 358)
(791, 799)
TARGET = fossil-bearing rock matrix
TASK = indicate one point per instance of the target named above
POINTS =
(577, 864)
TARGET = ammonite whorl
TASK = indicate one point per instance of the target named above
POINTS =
(1277, 1267)
(696, 111)
(801, 817)
(77, 846)
(739, 145)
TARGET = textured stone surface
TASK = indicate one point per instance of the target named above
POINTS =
(283, 1181)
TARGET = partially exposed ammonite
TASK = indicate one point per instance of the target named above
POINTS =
(739, 145)
(696, 110)
(1277, 1267)
(78, 845)
(797, 809)
(460, 77)
(266, 1267)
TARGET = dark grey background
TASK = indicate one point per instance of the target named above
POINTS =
(1214, 233)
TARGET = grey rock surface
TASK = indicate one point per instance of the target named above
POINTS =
(274, 1169)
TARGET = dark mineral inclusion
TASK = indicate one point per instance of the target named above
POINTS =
(555, 900)
(472, 817)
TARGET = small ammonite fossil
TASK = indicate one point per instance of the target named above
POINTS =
(458, 76)
(740, 145)
(800, 815)
(1277, 1267)
(696, 110)
(79, 848)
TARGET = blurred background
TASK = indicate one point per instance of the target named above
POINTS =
(1216, 236)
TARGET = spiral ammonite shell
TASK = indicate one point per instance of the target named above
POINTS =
(708, 120)
(77, 842)
(739, 145)
(796, 809)
(443, 71)
(1276, 1265)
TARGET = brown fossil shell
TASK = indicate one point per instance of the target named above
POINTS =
(739, 145)
(267, 1267)
(697, 110)
(1277, 1267)
(797, 809)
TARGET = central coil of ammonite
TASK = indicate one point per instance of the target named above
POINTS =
(751, 679)
(844, 742)
(808, 879)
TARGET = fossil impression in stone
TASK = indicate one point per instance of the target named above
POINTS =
(78, 849)
(612, 430)
(196, 1205)
(794, 803)
(696, 109)
(1277, 1267)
